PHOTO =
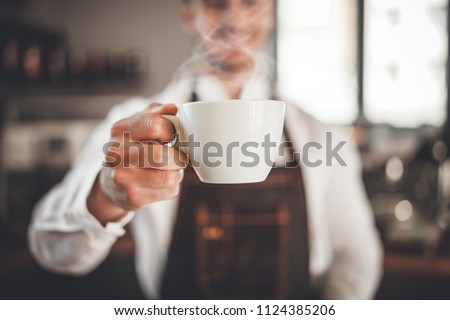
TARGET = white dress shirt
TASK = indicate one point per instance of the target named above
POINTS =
(345, 251)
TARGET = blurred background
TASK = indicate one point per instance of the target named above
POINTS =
(379, 67)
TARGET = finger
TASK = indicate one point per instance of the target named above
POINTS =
(144, 126)
(146, 155)
(147, 178)
(156, 156)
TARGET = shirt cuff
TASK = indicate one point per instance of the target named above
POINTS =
(116, 228)
(89, 221)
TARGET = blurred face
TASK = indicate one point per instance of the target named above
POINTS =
(229, 32)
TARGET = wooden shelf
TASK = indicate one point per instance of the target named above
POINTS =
(416, 264)
(11, 91)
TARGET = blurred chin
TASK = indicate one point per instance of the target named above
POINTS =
(238, 57)
(233, 58)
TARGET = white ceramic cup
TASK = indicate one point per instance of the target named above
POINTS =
(225, 139)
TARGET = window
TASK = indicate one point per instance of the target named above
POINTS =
(316, 55)
(405, 54)
(405, 57)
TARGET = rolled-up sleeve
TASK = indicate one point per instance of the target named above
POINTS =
(63, 235)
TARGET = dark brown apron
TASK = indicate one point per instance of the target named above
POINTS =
(240, 241)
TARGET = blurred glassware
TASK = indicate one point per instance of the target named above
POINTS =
(136, 65)
(77, 64)
(32, 61)
(117, 63)
(97, 65)
(10, 59)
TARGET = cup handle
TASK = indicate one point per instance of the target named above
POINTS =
(176, 124)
